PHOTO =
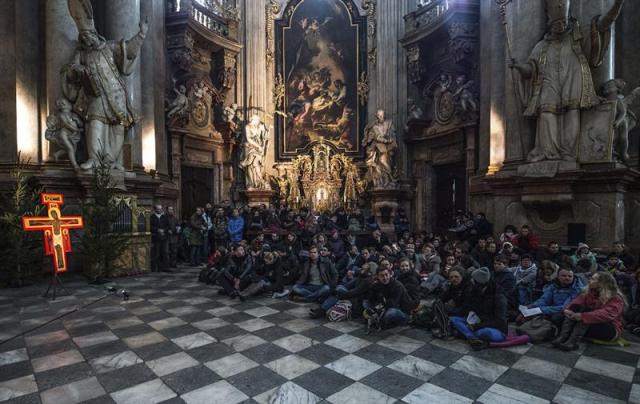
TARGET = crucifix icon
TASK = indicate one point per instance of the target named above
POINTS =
(57, 241)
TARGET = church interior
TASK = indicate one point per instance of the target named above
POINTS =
(220, 198)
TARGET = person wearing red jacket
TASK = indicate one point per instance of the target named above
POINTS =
(596, 313)
(526, 240)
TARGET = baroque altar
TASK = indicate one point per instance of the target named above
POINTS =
(324, 179)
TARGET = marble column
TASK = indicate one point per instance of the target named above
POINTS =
(391, 71)
(491, 147)
(259, 83)
(121, 21)
(8, 81)
(153, 79)
(61, 40)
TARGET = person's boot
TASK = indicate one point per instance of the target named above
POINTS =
(571, 344)
(565, 332)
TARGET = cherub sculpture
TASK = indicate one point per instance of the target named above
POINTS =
(625, 118)
(179, 104)
(64, 129)
(463, 94)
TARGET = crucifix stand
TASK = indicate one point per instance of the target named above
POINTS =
(57, 241)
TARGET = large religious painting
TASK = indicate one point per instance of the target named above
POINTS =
(320, 59)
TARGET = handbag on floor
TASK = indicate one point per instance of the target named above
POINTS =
(539, 329)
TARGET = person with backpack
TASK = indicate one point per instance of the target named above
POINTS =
(485, 311)
(354, 293)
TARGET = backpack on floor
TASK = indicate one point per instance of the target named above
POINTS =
(440, 326)
(341, 311)
(422, 316)
(203, 276)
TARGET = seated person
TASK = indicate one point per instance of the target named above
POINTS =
(392, 298)
(236, 275)
(626, 279)
(596, 313)
(582, 252)
(356, 293)
(490, 308)
(525, 275)
(317, 278)
(621, 251)
(558, 294)
(506, 282)
(266, 271)
(336, 245)
(409, 278)
(552, 253)
(348, 261)
(547, 273)
(453, 298)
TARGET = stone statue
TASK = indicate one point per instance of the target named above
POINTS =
(413, 110)
(255, 148)
(557, 83)
(64, 129)
(94, 82)
(463, 95)
(230, 113)
(180, 103)
(625, 118)
(380, 143)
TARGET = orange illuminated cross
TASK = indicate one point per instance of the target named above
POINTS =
(57, 241)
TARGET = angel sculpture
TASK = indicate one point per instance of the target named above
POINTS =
(63, 129)
(179, 104)
(625, 119)
(464, 95)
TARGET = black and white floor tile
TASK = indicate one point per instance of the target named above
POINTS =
(178, 341)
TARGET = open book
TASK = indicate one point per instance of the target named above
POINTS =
(529, 312)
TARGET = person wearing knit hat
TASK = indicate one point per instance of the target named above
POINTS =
(486, 311)
(481, 276)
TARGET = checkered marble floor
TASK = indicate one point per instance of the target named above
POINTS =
(178, 341)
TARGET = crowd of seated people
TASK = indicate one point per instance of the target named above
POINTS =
(484, 282)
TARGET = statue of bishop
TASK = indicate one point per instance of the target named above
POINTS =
(94, 82)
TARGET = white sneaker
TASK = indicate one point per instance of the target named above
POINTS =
(280, 295)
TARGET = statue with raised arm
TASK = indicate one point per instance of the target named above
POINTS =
(380, 143)
(255, 148)
(556, 80)
(94, 82)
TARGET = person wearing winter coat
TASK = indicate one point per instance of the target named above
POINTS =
(237, 273)
(393, 297)
(488, 323)
(318, 278)
(506, 282)
(409, 278)
(557, 294)
(525, 274)
(453, 298)
(235, 226)
(596, 313)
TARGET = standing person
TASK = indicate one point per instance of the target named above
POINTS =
(219, 229)
(596, 313)
(208, 236)
(173, 231)
(159, 241)
(196, 236)
(235, 227)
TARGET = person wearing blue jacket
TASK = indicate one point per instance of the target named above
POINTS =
(235, 226)
(558, 294)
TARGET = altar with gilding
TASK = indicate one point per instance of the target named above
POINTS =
(322, 179)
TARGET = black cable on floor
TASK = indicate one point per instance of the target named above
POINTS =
(59, 317)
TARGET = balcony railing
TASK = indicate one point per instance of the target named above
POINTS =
(429, 12)
(214, 15)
